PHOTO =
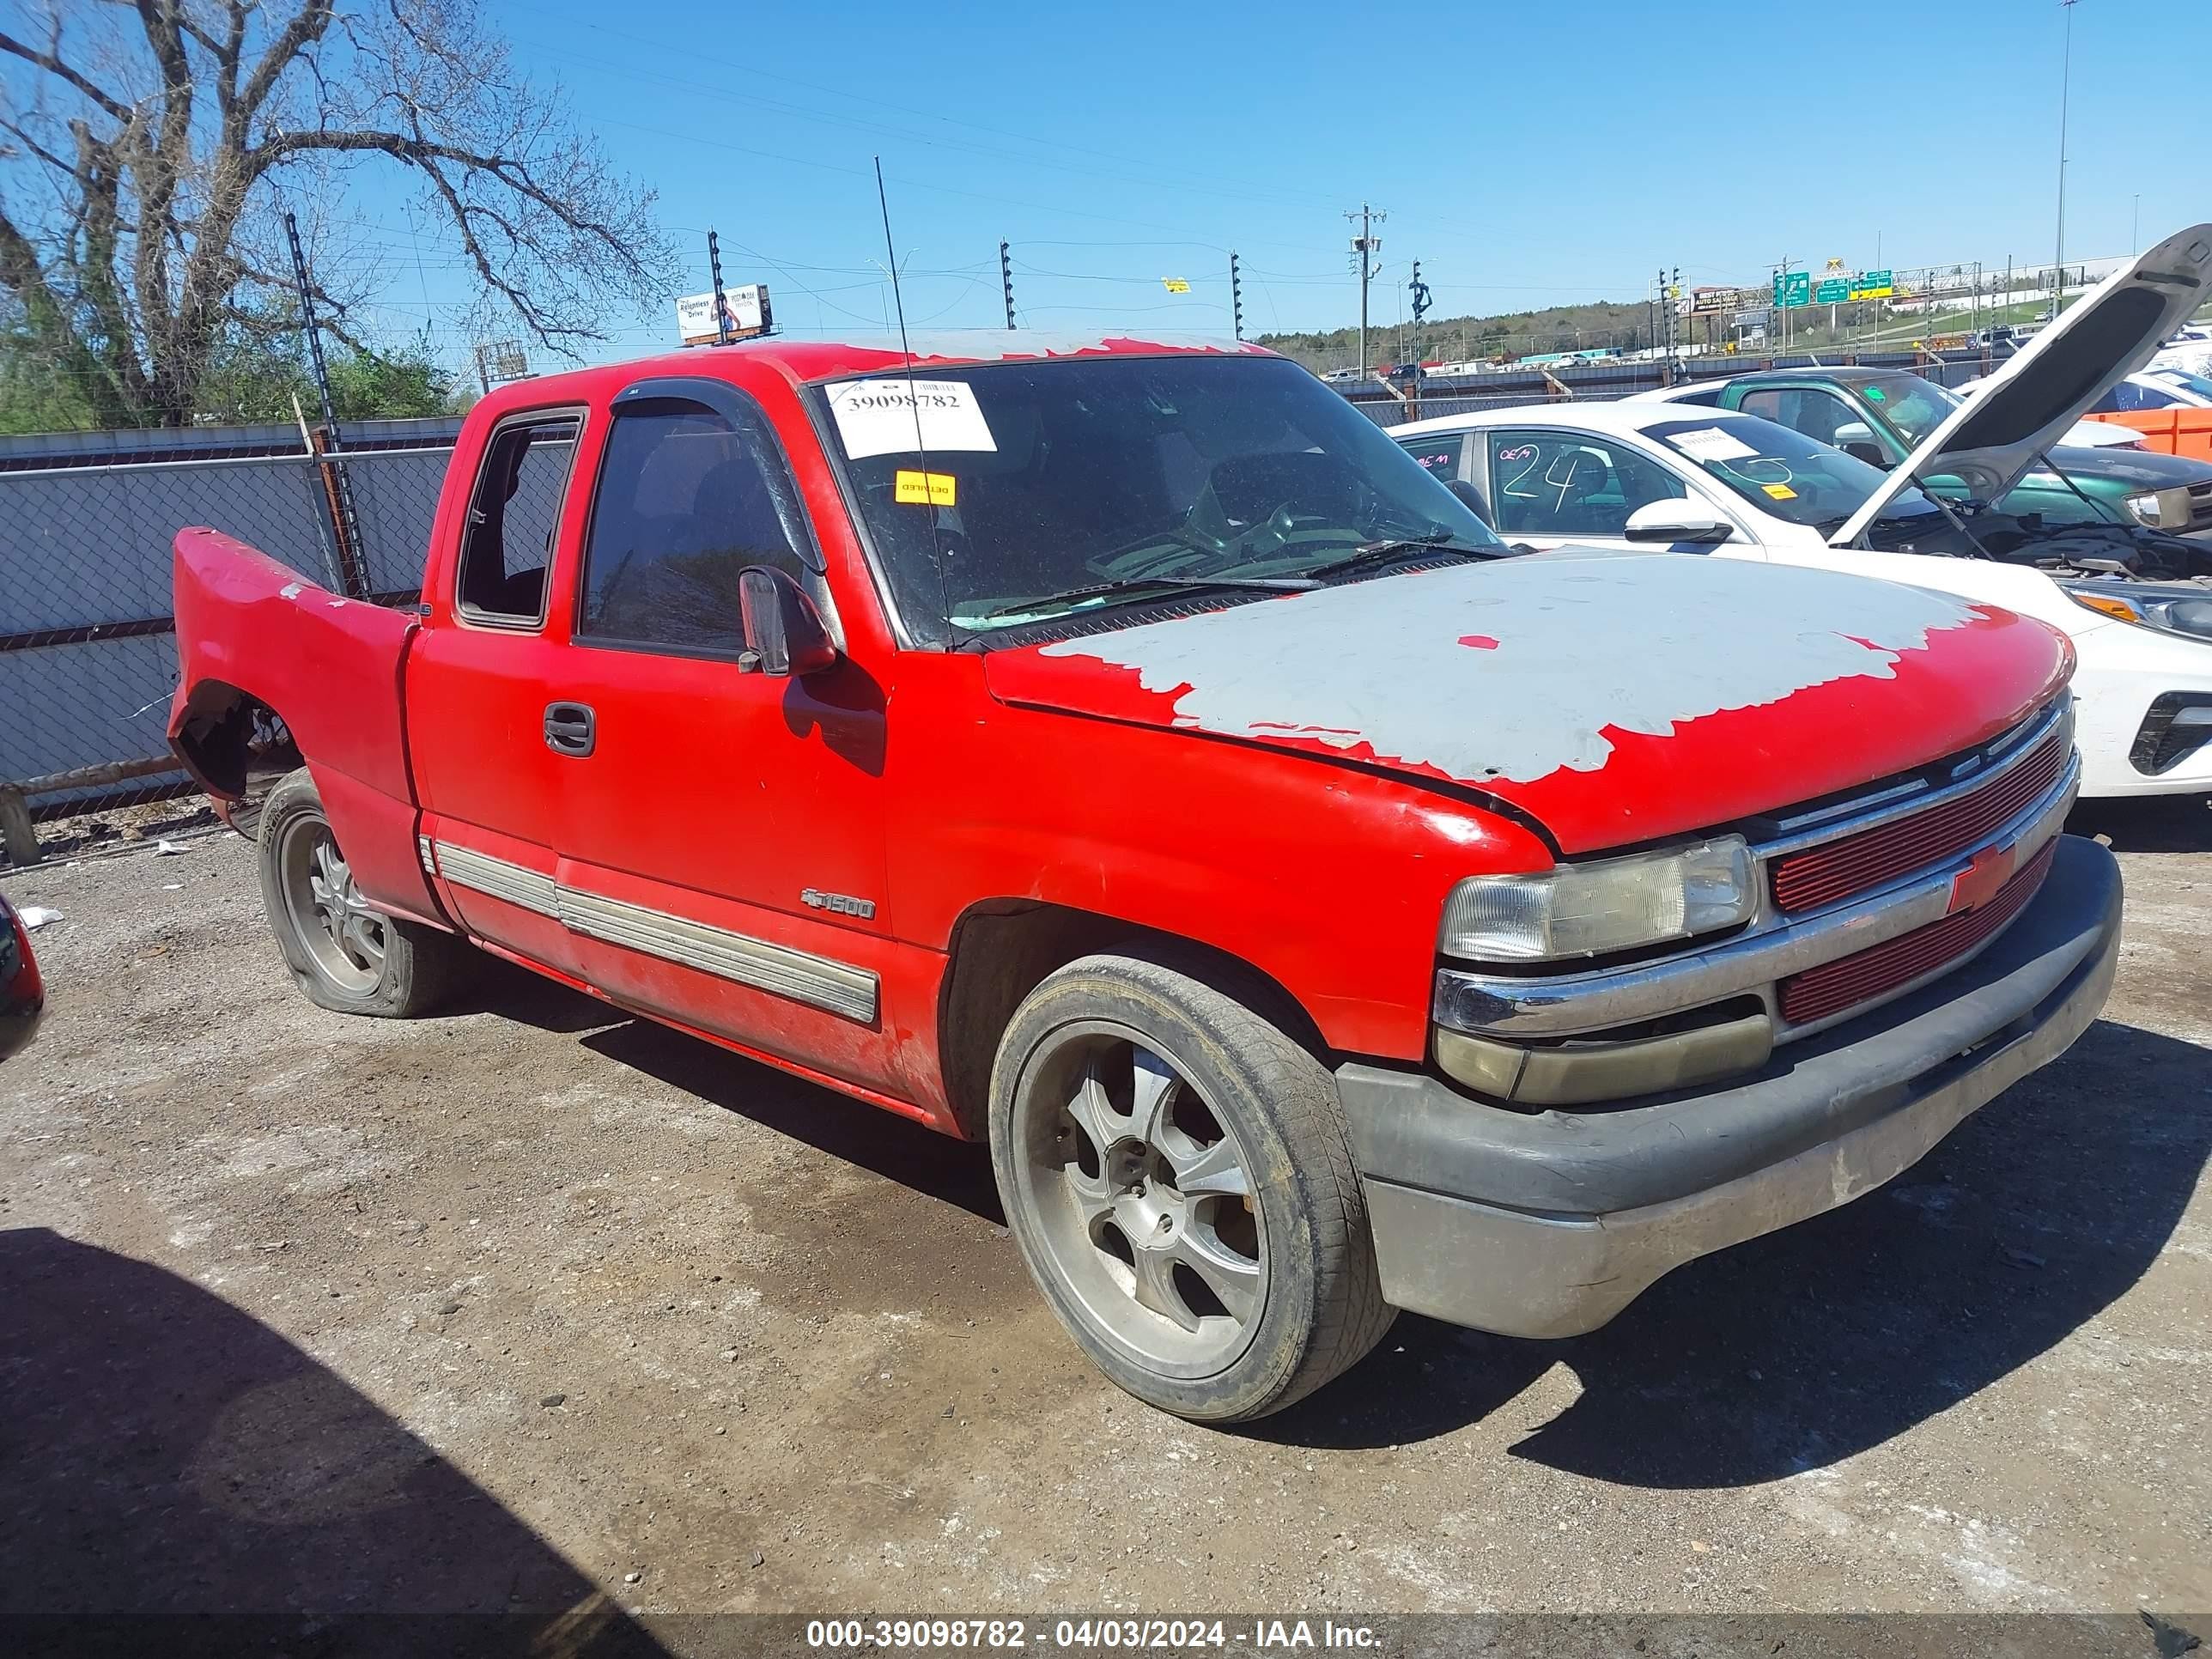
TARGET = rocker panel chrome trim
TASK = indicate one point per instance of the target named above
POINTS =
(776, 968)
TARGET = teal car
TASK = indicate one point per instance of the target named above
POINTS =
(1881, 416)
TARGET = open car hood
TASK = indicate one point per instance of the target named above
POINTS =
(1613, 697)
(1993, 438)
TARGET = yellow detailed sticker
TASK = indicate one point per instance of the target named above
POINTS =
(1780, 492)
(923, 488)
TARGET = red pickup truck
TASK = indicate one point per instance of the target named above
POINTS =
(1119, 752)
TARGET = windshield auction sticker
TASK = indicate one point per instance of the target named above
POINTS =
(925, 488)
(1709, 443)
(886, 417)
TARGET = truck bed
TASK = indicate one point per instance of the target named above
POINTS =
(332, 668)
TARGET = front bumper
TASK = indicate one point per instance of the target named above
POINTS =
(1547, 1224)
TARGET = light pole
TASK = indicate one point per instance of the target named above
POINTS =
(2065, 76)
(1362, 249)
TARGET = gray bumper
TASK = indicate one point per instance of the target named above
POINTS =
(1547, 1224)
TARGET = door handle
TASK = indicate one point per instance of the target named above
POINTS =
(571, 728)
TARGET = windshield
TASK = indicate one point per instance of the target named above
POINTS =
(1044, 478)
(2182, 381)
(1910, 404)
(1782, 472)
(1914, 406)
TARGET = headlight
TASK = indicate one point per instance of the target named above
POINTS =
(2145, 507)
(2186, 611)
(1612, 904)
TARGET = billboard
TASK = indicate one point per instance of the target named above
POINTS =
(1713, 302)
(746, 306)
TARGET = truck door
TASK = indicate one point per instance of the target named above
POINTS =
(480, 728)
(721, 854)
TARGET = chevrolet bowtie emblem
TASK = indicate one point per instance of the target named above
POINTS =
(1977, 884)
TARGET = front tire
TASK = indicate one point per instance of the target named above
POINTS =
(346, 956)
(1178, 1176)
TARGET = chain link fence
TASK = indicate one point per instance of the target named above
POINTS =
(87, 646)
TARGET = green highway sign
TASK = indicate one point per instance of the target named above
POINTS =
(1872, 285)
(1833, 292)
(1793, 288)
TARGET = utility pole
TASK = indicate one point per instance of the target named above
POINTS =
(2065, 77)
(1363, 247)
(1006, 280)
(721, 305)
(1669, 297)
(337, 489)
(1236, 297)
(1419, 291)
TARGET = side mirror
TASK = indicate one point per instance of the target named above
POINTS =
(1470, 497)
(1677, 521)
(1865, 449)
(784, 633)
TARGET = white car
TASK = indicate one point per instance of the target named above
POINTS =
(2150, 388)
(2188, 349)
(1647, 473)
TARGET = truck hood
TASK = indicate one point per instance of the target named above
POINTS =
(1613, 697)
(1992, 439)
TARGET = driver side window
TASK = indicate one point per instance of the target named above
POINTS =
(1819, 414)
(683, 504)
(1568, 483)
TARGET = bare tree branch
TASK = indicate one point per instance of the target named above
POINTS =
(54, 66)
(195, 128)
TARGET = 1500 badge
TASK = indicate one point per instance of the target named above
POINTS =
(843, 904)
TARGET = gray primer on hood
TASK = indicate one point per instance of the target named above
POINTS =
(1514, 668)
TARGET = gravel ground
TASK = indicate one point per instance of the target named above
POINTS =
(529, 1302)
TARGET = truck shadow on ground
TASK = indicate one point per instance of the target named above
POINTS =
(163, 1454)
(2157, 823)
(955, 1172)
(1796, 1350)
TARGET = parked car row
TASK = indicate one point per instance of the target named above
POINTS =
(1880, 473)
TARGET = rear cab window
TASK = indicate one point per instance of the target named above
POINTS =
(513, 519)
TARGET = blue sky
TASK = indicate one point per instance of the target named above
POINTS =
(1528, 154)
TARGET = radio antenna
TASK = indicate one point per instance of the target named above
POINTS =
(913, 401)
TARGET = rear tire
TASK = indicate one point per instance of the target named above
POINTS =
(346, 956)
(1178, 1176)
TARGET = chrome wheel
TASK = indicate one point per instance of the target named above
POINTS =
(1143, 1199)
(343, 937)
